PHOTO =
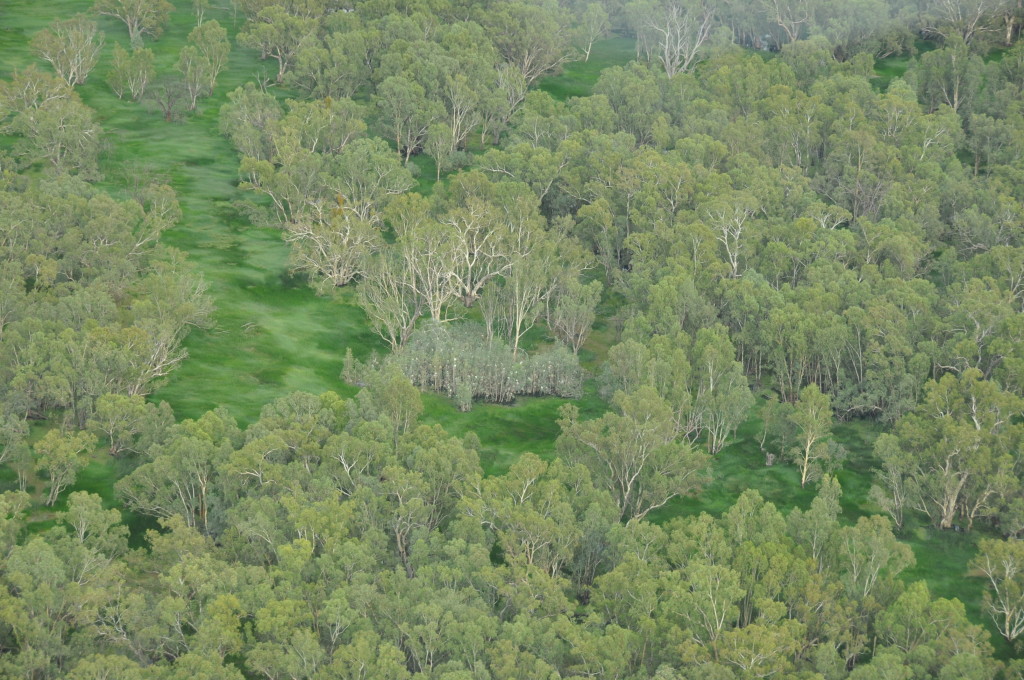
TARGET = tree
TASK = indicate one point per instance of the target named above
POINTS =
(593, 25)
(407, 111)
(950, 76)
(94, 527)
(728, 219)
(336, 251)
(531, 511)
(71, 46)
(390, 398)
(199, 8)
(571, 315)
(816, 528)
(63, 132)
(182, 477)
(249, 119)
(514, 302)
(60, 456)
(704, 597)
(170, 95)
(487, 242)
(1002, 563)
(676, 30)
(530, 37)
(662, 362)
(142, 17)
(131, 71)
(335, 67)
(632, 452)
(895, 493)
(358, 181)
(935, 636)
(387, 294)
(967, 20)
(868, 556)
(323, 126)
(277, 33)
(720, 396)
(789, 15)
(439, 144)
(812, 422)
(961, 440)
(13, 436)
(203, 58)
(129, 423)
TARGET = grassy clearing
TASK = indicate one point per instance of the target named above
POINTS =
(577, 78)
(896, 66)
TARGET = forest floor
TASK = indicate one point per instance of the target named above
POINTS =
(272, 336)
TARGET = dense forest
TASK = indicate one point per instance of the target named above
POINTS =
(511, 339)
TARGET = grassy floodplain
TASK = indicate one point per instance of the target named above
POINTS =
(272, 335)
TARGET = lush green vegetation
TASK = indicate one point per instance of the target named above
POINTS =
(270, 336)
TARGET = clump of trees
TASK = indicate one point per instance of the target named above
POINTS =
(90, 305)
(770, 223)
(458, 360)
(52, 125)
(699, 378)
(955, 457)
(773, 225)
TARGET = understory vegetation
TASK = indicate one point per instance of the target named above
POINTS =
(511, 339)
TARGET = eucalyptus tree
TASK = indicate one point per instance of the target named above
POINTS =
(131, 72)
(1001, 563)
(203, 58)
(814, 453)
(532, 37)
(141, 17)
(62, 457)
(277, 34)
(72, 47)
(963, 438)
(673, 32)
(633, 453)
(54, 125)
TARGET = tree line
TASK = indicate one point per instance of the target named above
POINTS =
(341, 538)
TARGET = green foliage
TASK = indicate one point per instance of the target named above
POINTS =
(458, 360)
(633, 453)
(830, 229)
(203, 58)
(141, 17)
(71, 46)
(1000, 563)
(131, 72)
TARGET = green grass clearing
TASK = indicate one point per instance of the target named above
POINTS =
(578, 77)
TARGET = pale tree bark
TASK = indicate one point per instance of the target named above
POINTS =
(72, 47)
(969, 19)
(789, 15)
(728, 222)
(1002, 564)
(388, 295)
(682, 30)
